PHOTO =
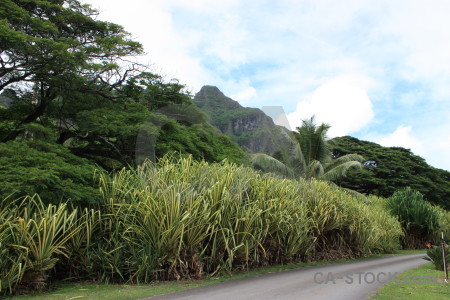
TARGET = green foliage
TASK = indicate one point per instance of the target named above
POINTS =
(67, 79)
(152, 91)
(444, 220)
(266, 163)
(434, 254)
(310, 157)
(70, 58)
(65, 53)
(315, 160)
(33, 236)
(199, 141)
(50, 170)
(46, 41)
(419, 218)
(107, 135)
(11, 259)
(312, 140)
(180, 218)
(348, 225)
(186, 218)
(387, 169)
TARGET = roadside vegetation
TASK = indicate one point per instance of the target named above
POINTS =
(435, 255)
(421, 221)
(182, 219)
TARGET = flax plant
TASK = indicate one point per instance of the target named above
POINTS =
(11, 259)
(43, 232)
(80, 260)
(420, 220)
(180, 218)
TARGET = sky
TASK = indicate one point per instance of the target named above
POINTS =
(377, 70)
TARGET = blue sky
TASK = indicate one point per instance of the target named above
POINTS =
(375, 70)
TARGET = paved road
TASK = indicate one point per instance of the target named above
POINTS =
(354, 280)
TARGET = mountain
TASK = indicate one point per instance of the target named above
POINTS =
(251, 128)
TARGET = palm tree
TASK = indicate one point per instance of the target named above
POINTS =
(310, 156)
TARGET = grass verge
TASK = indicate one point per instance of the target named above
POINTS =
(413, 284)
(84, 291)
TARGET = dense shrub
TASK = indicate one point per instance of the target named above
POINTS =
(181, 219)
(33, 236)
(419, 219)
(50, 170)
(434, 254)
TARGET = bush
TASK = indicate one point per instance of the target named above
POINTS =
(224, 217)
(50, 170)
(444, 220)
(434, 254)
(182, 219)
(33, 237)
(419, 219)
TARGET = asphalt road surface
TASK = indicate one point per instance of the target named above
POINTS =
(353, 280)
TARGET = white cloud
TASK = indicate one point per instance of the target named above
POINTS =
(152, 24)
(340, 102)
(438, 147)
(245, 94)
(206, 6)
(410, 98)
(282, 52)
(403, 137)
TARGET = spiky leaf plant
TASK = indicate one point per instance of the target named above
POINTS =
(419, 219)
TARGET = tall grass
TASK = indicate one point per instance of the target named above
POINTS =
(420, 220)
(186, 218)
(182, 218)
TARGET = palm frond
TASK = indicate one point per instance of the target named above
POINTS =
(340, 170)
(344, 159)
(312, 139)
(297, 161)
(315, 169)
(267, 163)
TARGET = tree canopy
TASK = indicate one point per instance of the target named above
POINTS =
(55, 55)
(53, 42)
(63, 69)
(71, 81)
(387, 169)
(50, 170)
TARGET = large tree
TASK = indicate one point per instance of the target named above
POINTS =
(310, 157)
(70, 88)
(387, 169)
(57, 51)
(64, 69)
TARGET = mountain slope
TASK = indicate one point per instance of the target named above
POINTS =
(251, 128)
